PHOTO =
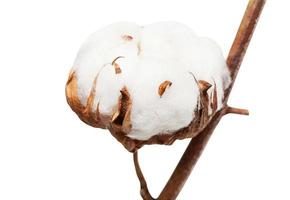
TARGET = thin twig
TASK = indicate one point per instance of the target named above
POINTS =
(143, 185)
(239, 111)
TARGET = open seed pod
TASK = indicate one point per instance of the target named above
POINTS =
(147, 85)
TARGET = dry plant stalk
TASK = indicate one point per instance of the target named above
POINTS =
(197, 144)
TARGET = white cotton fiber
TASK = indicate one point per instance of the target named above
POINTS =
(152, 114)
(148, 56)
(101, 48)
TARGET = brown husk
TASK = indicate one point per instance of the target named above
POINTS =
(85, 113)
(127, 37)
(163, 86)
(119, 123)
(200, 120)
(121, 118)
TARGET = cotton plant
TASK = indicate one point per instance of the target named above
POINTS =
(155, 84)
(147, 83)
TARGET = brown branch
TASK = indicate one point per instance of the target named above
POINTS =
(239, 111)
(143, 185)
(197, 144)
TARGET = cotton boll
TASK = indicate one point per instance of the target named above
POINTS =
(142, 60)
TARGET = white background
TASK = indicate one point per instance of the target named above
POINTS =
(46, 152)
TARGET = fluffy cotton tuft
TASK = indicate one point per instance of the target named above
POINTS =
(147, 57)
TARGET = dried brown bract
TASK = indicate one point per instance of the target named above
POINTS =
(163, 86)
(85, 113)
(127, 37)
(121, 117)
(116, 65)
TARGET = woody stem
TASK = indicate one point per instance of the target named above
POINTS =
(197, 144)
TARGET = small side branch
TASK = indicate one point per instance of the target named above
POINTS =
(239, 111)
(143, 185)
